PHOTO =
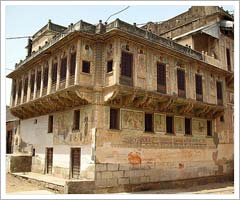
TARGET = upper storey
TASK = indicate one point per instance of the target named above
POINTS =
(107, 60)
(206, 29)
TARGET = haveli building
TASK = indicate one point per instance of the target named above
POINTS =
(128, 108)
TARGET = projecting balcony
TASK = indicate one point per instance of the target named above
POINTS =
(125, 96)
(61, 99)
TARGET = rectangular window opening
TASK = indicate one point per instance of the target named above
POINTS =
(219, 93)
(50, 123)
(209, 128)
(181, 83)
(161, 77)
(72, 64)
(126, 64)
(76, 120)
(169, 124)
(198, 84)
(54, 73)
(114, 118)
(85, 66)
(63, 70)
(188, 126)
(148, 122)
(109, 66)
(45, 77)
(228, 59)
(25, 86)
(38, 80)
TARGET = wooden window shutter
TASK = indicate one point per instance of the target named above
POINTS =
(126, 64)
(45, 77)
(20, 89)
(219, 90)
(38, 80)
(76, 120)
(54, 73)
(161, 77)
(50, 123)
(25, 86)
(14, 89)
(72, 64)
(181, 79)
(63, 69)
(198, 79)
(32, 82)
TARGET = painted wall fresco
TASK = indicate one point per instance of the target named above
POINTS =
(132, 119)
(63, 124)
(159, 123)
(179, 125)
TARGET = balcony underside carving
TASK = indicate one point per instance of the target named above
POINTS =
(157, 102)
(61, 100)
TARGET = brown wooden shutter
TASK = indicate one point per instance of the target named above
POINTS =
(25, 86)
(63, 69)
(54, 73)
(38, 80)
(161, 77)
(32, 82)
(20, 89)
(126, 64)
(181, 82)
(198, 84)
(14, 89)
(169, 124)
(148, 122)
(49, 160)
(114, 118)
(219, 90)
(228, 59)
(76, 120)
(72, 64)
(50, 124)
(45, 77)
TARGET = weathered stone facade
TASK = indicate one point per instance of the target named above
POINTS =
(123, 153)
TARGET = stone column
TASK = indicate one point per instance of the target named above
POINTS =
(78, 64)
(49, 76)
(29, 86)
(116, 61)
(41, 86)
(11, 97)
(58, 72)
(16, 97)
(35, 84)
(68, 67)
(22, 90)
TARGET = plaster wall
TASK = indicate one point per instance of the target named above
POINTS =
(61, 140)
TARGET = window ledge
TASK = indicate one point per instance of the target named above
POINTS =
(109, 73)
(188, 135)
(75, 130)
(115, 130)
(208, 136)
(85, 73)
(172, 134)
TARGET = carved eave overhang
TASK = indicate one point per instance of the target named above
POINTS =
(61, 100)
(230, 80)
(124, 96)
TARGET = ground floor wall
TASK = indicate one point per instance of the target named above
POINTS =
(35, 137)
(130, 155)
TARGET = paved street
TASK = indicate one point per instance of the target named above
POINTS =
(19, 186)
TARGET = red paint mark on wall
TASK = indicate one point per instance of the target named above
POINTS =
(134, 158)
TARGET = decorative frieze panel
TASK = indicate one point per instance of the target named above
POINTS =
(199, 127)
(132, 119)
(159, 122)
(179, 125)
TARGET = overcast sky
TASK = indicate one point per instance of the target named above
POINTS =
(26, 20)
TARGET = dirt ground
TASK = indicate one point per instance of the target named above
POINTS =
(15, 185)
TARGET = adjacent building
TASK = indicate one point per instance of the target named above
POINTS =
(129, 107)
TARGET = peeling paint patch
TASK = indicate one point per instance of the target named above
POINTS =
(134, 158)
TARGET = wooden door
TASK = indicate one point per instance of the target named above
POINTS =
(9, 142)
(49, 160)
(75, 162)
